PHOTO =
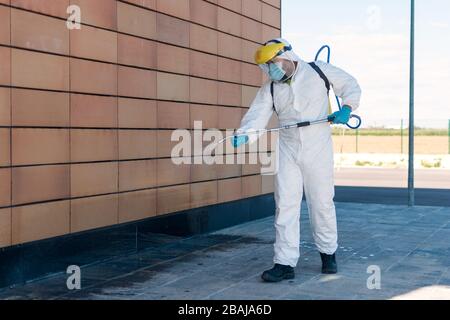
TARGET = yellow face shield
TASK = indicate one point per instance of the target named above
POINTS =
(266, 53)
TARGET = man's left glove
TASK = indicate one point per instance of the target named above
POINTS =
(342, 116)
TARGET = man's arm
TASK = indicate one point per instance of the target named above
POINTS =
(260, 112)
(344, 85)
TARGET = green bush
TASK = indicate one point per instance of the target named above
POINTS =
(427, 164)
(363, 163)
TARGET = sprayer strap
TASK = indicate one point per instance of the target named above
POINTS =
(273, 97)
(322, 75)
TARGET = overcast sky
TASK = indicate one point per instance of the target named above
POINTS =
(370, 39)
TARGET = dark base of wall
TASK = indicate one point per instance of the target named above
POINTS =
(22, 263)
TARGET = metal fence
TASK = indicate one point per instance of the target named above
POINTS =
(433, 140)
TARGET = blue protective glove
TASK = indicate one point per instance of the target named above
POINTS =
(342, 116)
(237, 141)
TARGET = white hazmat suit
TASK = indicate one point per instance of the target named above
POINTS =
(305, 154)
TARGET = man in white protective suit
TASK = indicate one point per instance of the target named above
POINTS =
(298, 91)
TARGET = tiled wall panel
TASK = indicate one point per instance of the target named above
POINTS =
(87, 115)
(40, 108)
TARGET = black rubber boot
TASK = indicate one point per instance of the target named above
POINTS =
(329, 265)
(277, 273)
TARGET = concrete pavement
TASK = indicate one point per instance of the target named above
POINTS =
(409, 246)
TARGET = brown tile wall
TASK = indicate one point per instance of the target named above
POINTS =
(86, 115)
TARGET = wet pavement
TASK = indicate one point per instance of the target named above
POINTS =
(385, 252)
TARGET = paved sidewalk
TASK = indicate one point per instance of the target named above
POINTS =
(409, 245)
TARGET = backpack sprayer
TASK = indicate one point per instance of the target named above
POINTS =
(305, 123)
(353, 116)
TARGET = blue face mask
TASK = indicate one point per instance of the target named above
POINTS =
(275, 72)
